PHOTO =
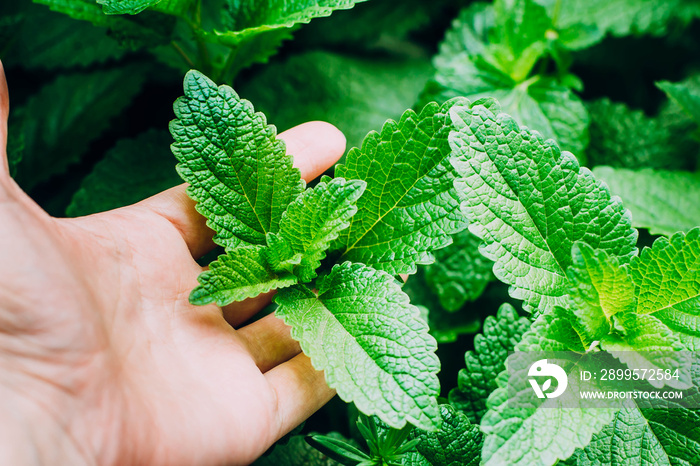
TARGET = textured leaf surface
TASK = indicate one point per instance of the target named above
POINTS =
(66, 115)
(667, 277)
(530, 202)
(491, 348)
(121, 7)
(249, 17)
(663, 435)
(254, 28)
(238, 171)
(602, 300)
(132, 7)
(478, 60)
(356, 95)
(621, 137)
(600, 289)
(131, 171)
(315, 219)
(538, 437)
(375, 350)
(410, 206)
(457, 443)
(239, 274)
(662, 201)
(536, 432)
(460, 273)
(647, 343)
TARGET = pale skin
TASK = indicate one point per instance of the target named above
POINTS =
(102, 358)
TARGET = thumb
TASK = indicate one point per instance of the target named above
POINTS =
(4, 113)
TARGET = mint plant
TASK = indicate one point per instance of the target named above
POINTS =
(578, 242)
(218, 37)
(391, 204)
(553, 232)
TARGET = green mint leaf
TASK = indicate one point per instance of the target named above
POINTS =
(667, 280)
(131, 171)
(662, 201)
(146, 30)
(132, 7)
(684, 97)
(245, 18)
(297, 451)
(410, 206)
(66, 115)
(618, 17)
(254, 29)
(663, 435)
(545, 431)
(238, 171)
(457, 443)
(621, 137)
(239, 274)
(555, 330)
(539, 435)
(518, 37)
(685, 94)
(124, 7)
(499, 337)
(460, 273)
(478, 59)
(314, 220)
(529, 202)
(602, 299)
(338, 449)
(375, 350)
(63, 42)
(648, 344)
(600, 289)
(355, 94)
(173, 7)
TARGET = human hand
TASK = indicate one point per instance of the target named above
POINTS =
(102, 358)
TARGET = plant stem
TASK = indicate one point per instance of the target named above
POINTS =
(182, 54)
(555, 12)
(230, 60)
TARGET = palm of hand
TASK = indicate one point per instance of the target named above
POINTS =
(99, 344)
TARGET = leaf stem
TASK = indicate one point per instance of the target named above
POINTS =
(555, 12)
(182, 54)
(230, 60)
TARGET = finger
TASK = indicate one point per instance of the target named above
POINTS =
(4, 114)
(315, 146)
(301, 391)
(238, 313)
(269, 342)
